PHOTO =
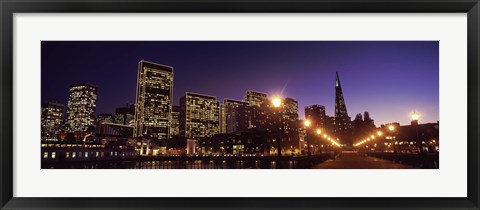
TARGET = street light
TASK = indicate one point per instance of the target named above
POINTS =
(277, 103)
(319, 131)
(379, 133)
(307, 123)
(392, 128)
(415, 116)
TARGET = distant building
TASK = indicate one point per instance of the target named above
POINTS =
(199, 116)
(316, 114)
(362, 125)
(258, 110)
(114, 130)
(175, 123)
(223, 119)
(235, 115)
(154, 100)
(255, 98)
(52, 120)
(82, 101)
(104, 118)
(290, 116)
(125, 115)
(342, 123)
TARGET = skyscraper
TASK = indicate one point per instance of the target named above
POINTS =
(316, 114)
(236, 113)
(125, 115)
(199, 115)
(154, 100)
(290, 115)
(175, 123)
(258, 107)
(342, 122)
(255, 98)
(52, 120)
(82, 101)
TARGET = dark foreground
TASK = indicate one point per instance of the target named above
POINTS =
(359, 161)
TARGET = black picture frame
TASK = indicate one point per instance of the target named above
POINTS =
(10, 7)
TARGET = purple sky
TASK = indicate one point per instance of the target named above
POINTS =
(388, 79)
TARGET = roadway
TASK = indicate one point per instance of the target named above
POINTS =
(353, 160)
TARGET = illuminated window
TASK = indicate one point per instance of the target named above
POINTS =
(45, 155)
(96, 154)
(67, 154)
(54, 154)
(74, 154)
(86, 154)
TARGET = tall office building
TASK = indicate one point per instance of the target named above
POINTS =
(235, 115)
(223, 119)
(52, 120)
(154, 100)
(342, 123)
(175, 123)
(258, 108)
(82, 101)
(125, 115)
(290, 115)
(199, 115)
(255, 98)
(316, 114)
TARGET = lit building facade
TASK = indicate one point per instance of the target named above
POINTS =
(82, 102)
(235, 115)
(199, 115)
(258, 109)
(342, 122)
(316, 114)
(290, 116)
(125, 115)
(223, 119)
(175, 123)
(154, 100)
(52, 120)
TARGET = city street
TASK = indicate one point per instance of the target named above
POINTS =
(353, 160)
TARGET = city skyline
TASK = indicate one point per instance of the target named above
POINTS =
(308, 87)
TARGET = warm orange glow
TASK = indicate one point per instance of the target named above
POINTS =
(307, 123)
(379, 133)
(276, 101)
(391, 127)
(319, 131)
(415, 116)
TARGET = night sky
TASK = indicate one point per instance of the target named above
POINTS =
(388, 79)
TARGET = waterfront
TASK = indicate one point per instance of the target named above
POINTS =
(197, 162)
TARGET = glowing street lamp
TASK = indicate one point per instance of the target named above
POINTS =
(415, 116)
(379, 133)
(391, 127)
(307, 123)
(276, 101)
(319, 131)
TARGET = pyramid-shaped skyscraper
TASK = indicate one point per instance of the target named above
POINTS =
(342, 122)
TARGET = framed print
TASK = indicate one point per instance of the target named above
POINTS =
(239, 105)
